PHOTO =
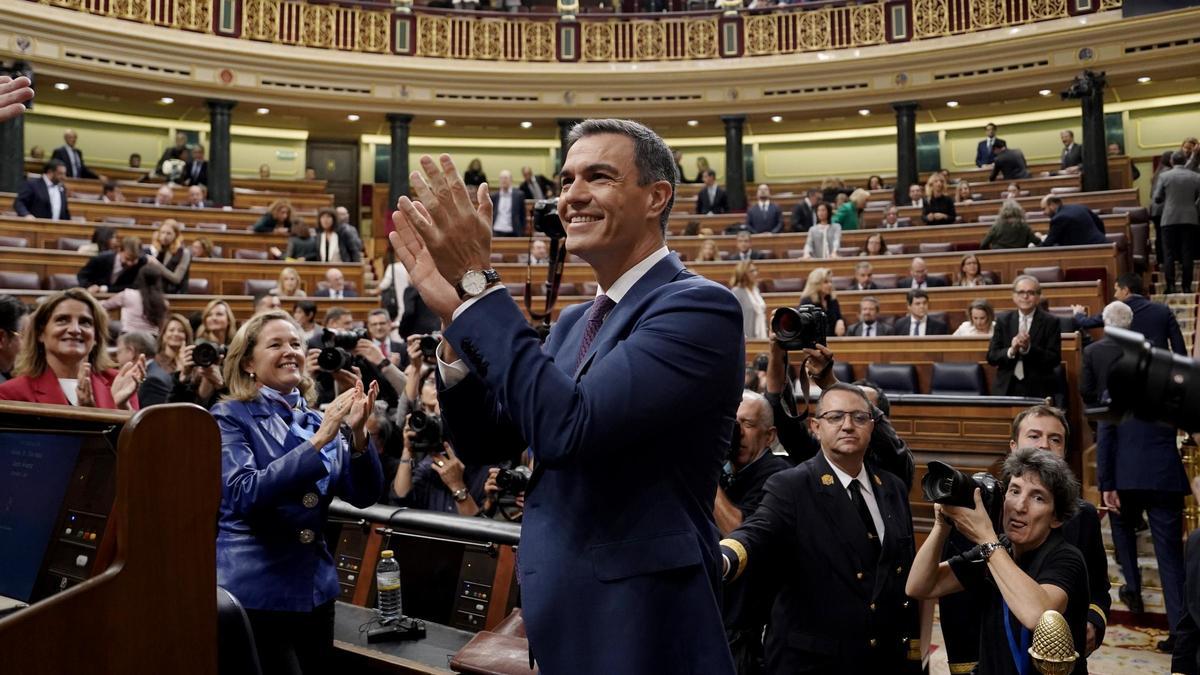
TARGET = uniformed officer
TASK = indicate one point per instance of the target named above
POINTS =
(843, 532)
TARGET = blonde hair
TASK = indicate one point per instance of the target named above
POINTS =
(860, 197)
(279, 283)
(241, 386)
(177, 242)
(183, 323)
(32, 359)
(812, 287)
(741, 275)
(202, 332)
(715, 253)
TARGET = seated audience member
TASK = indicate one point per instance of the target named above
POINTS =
(1009, 163)
(305, 314)
(1010, 229)
(196, 171)
(962, 193)
(535, 187)
(868, 324)
(822, 621)
(302, 245)
(818, 290)
(804, 216)
(178, 151)
(265, 301)
(277, 219)
(1026, 345)
(708, 251)
(335, 286)
(508, 208)
(711, 198)
(875, 183)
(202, 247)
(875, 246)
(1042, 571)
(64, 358)
(1012, 191)
(113, 271)
(44, 196)
(176, 334)
(288, 284)
(288, 589)
(764, 215)
(264, 171)
(333, 243)
(310, 173)
(918, 322)
(970, 272)
(217, 323)
(891, 217)
(862, 277)
(474, 175)
(849, 215)
(172, 259)
(539, 252)
(1114, 150)
(110, 193)
(135, 161)
(918, 276)
(691, 228)
(1071, 224)
(823, 239)
(1072, 154)
(981, 319)
(104, 238)
(196, 197)
(744, 250)
(916, 196)
(14, 322)
(205, 385)
(143, 306)
(744, 285)
(37, 152)
(938, 207)
(164, 196)
(157, 385)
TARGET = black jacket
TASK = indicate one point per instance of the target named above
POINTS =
(1045, 353)
(201, 178)
(1010, 165)
(60, 153)
(719, 203)
(34, 199)
(1074, 225)
(98, 272)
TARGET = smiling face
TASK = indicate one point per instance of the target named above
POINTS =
(174, 335)
(69, 335)
(217, 319)
(378, 325)
(278, 357)
(1028, 511)
(875, 245)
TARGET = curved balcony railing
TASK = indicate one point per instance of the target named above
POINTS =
(381, 28)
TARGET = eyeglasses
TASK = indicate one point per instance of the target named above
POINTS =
(836, 417)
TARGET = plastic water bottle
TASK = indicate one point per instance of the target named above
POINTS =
(387, 581)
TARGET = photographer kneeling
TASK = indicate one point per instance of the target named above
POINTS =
(1041, 572)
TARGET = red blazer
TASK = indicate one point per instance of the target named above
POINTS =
(45, 389)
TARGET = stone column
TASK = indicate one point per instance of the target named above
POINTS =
(398, 169)
(220, 182)
(906, 146)
(1095, 146)
(12, 145)
(735, 162)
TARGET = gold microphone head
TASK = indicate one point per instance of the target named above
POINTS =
(1053, 648)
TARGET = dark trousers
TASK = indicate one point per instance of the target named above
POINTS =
(294, 643)
(1164, 511)
(1179, 246)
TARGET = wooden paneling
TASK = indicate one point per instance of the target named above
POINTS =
(45, 234)
(242, 197)
(242, 305)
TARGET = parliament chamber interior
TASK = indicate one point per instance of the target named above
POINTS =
(261, 412)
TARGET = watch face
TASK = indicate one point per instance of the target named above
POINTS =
(474, 282)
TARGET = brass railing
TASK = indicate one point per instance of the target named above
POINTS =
(378, 28)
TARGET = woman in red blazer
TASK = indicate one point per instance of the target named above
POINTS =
(64, 358)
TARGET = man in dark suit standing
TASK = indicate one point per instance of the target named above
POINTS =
(655, 361)
(44, 196)
(1178, 190)
(1072, 154)
(1154, 320)
(196, 172)
(1026, 345)
(868, 324)
(72, 157)
(843, 531)
(711, 198)
(984, 154)
(335, 286)
(918, 276)
(1009, 163)
(535, 187)
(508, 209)
(1071, 224)
(918, 322)
(804, 216)
(113, 271)
(764, 215)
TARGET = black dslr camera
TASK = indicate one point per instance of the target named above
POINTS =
(801, 328)
(337, 348)
(429, 345)
(428, 429)
(943, 484)
(546, 220)
(207, 353)
(1152, 384)
(513, 481)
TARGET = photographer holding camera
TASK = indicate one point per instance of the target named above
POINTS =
(1041, 571)
(430, 475)
(199, 377)
(504, 490)
(340, 355)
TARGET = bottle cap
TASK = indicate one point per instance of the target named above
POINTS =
(386, 554)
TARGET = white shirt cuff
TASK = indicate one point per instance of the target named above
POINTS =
(453, 373)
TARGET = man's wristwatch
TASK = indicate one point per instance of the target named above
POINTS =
(460, 495)
(986, 550)
(475, 282)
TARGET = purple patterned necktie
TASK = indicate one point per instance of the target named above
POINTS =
(600, 309)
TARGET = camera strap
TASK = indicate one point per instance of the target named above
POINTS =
(788, 395)
(554, 275)
(1020, 652)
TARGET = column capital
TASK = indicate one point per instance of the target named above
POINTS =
(905, 106)
(733, 119)
(215, 104)
(399, 118)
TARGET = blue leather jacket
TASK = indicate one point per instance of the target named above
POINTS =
(271, 551)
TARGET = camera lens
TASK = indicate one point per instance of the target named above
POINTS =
(332, 359)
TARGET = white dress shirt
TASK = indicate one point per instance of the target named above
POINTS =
(55, 194)
(502, 218)
(917, 326)
(868, 494)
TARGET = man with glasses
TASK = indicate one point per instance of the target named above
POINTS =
(843, 531)
(1026, 345)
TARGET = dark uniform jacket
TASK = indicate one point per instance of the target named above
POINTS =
(841, 609)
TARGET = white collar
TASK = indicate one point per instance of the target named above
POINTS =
(632, 275)
(845, 479)
(49, 183)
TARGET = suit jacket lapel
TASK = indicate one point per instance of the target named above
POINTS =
(46, 389)
(888, 509)
(844, 522)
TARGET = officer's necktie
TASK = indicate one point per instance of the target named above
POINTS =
(860, 505)
(595, 318)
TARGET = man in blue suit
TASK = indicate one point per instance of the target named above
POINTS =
(1071, 224)
(628, 408)
(1154, 320)
(983, 152)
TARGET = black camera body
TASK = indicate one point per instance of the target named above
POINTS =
(943, 484)
(1084, 85)
(337, 348)
(513, 481)
(429, 344)
(802, 328)
(428, 429)
(546, 220)
(1153, 384)
(206, 353)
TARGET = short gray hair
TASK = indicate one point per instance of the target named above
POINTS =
(766, 416)
(1117, 314)
(140, 343)
(1037, 285)
(651, 155)
(1053, 473)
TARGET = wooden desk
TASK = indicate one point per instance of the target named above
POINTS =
(148, 214)
(46, 233)
(243, 198)
(225, 276)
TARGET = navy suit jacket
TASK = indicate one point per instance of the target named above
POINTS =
(34, 198)
(619, 566)
(1045, 353)
(759, 221)
(1154, 320)
(983, 154)
(518, 211)
(60, 153)
(1075, 225)
(271, 551)
(720, 203)
(347, 292)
